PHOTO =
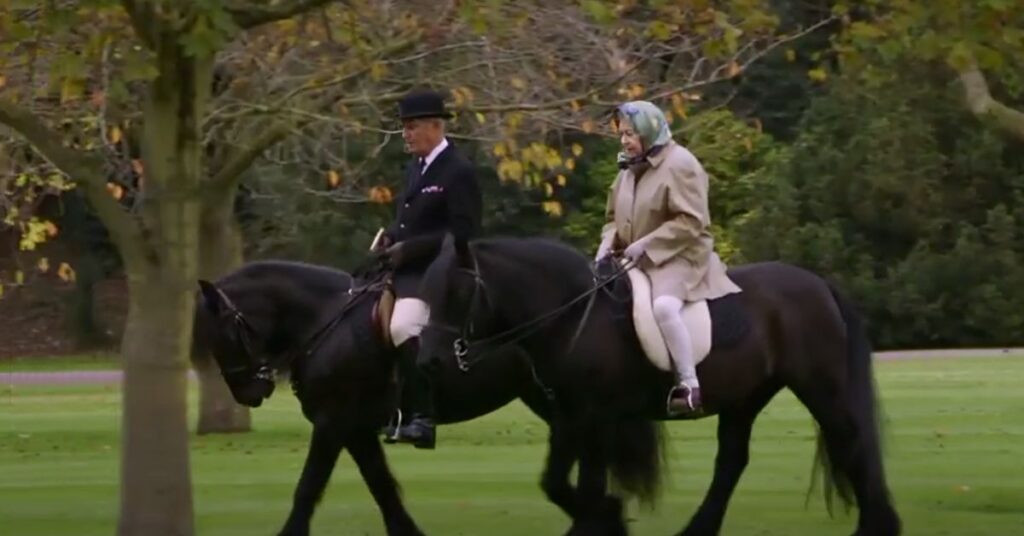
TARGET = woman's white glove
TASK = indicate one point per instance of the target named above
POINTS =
(635, 250)
(604, 249)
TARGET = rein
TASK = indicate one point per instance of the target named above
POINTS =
(462, 345)
(264, 370)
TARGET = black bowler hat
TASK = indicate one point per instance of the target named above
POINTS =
(422, 103)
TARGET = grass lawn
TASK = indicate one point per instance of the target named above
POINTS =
(954, 456)
(92, 361)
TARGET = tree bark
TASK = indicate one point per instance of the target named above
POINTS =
(156, 493)
(156, 489)
(220, 251)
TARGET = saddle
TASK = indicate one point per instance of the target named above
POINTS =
(383, 311)
(713, 324)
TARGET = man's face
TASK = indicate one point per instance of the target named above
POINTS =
(421, 135)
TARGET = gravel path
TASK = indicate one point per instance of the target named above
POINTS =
(113, 377)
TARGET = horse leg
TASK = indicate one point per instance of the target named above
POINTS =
(323, 453)
(598, 514)
(366, 450)
(855, 459)
(734, 429)
(555, 480)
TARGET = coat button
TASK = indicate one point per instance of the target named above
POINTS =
(401, 225)
(407, 205)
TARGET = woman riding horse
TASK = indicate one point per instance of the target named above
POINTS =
(658, 210)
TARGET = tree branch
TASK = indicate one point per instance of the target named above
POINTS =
(83, 168)
(251, 16)
(243, 157)
(979, 100)
(143, 21)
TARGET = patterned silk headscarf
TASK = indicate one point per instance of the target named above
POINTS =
(650, 124)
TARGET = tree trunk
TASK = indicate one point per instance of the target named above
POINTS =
(156, 489)
(220, 251)
(156, 495)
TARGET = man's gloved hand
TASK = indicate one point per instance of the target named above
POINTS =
(391, 256)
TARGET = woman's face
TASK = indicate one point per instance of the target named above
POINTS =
(631, 144)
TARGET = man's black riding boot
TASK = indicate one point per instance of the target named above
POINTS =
(420, 431)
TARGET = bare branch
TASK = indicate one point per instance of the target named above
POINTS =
(252, 16)
(144, 20)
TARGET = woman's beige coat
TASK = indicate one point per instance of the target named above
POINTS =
(668, 209)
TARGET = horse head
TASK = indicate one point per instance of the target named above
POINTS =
(224, 331)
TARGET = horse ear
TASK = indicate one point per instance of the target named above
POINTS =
(211, 296)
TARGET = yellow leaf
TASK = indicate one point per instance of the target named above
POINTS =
(570, 164)
(380, 194)
(457, 97)
(818, 75)
(43, 264)
(518, 83)
(510, 170)
(748, 144)
(19, 277)
(548, 189)
(790, 55)
(114, 134)
(137, 167)
(3, 80)
(115, 190)
(588, 126)
(577, 149)
(553, 208)
(734, 69)
(499, 149)
(66, 273)
(575, 104)
(562, 180)
(1, 290)
(51, 229)
(480, 118)
(333, 178)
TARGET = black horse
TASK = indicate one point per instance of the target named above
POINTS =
(540, 294)
(321, 327)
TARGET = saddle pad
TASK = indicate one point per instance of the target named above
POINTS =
(696, 317)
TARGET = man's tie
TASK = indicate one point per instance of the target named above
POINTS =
(419, 171)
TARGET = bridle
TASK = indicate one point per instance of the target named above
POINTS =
(244, 333)
(464, 334)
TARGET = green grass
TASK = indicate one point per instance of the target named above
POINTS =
(954, 451)
(93, 361)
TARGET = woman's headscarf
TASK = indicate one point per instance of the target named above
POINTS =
(650, 124)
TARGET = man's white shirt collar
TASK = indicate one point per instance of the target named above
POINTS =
(433, 154)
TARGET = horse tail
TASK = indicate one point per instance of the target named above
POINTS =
(862, 401)
(637, 458)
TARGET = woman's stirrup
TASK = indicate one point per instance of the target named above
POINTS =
(683, 400)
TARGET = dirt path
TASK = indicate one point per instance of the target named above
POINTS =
(113, 377)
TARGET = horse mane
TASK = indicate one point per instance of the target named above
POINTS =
(550, 255)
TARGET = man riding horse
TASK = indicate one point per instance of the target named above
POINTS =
(441, 196)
